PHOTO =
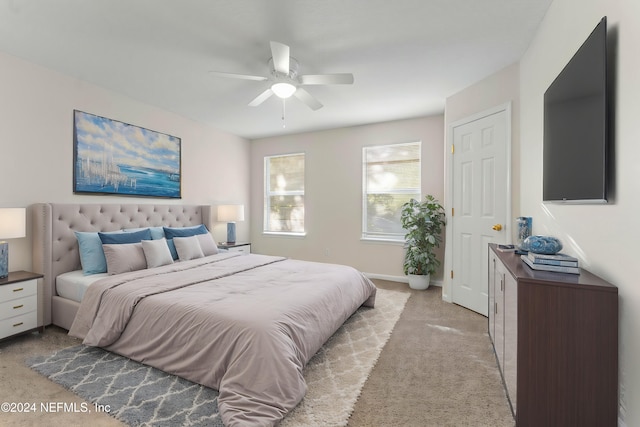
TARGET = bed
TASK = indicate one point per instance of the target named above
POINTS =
(245, 325)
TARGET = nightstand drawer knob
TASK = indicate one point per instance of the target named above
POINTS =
(18, 289)
(15, 307)
(18, 324)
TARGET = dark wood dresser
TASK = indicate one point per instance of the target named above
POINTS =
(556, 341)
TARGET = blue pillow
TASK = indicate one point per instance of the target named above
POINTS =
(123, 238)
(157, 233)
(171, 232)
(91, 253)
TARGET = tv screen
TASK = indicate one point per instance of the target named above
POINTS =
(576, 126)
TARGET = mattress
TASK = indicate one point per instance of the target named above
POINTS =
(73, 284)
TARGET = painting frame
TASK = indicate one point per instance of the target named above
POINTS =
(111, 157)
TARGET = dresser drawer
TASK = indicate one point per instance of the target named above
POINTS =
(18, 324)
(18, 290)
(18, 307)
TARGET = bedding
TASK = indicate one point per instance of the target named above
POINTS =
(156, 252)
(187, 248)
(121, 238)
(171, 232)
(124, 257)
(245, 325)
(91, 253)
(73, 284)
(207, 244)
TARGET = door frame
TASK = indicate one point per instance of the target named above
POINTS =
(447, 282)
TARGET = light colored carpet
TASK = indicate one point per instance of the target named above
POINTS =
(138, 395)
(438, 369)
(336, 374)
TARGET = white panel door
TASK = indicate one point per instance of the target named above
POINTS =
(480, 204)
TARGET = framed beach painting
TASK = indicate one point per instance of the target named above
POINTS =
(112, 157)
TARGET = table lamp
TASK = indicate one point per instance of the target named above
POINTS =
(12, 226)
(230, 214)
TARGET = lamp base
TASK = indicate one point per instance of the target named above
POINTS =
(4, 260)
(231, 232)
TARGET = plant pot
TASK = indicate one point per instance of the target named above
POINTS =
(419, 281)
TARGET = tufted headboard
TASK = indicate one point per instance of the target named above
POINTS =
(55, 247)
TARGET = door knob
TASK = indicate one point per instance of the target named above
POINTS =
(497, 227)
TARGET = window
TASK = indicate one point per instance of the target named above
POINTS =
(284, 194)
(391, 177)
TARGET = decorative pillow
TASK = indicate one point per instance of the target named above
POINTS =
(156, 252)
(207, 244)
(171, 232)
(124, 238)
(157, 233)
(124, 257)
(188, 248)
(91, 253)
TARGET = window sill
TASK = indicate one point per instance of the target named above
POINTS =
(383, 241)
(284, 234)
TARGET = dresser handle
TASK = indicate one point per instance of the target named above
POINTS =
(18, 306)
(18, 324)
(18, 289)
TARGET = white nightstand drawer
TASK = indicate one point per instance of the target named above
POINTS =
(18, 307)
(18, 324)
(18, 290)
(245, 249)
(19, 304)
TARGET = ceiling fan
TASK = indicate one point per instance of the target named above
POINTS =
(284, 80)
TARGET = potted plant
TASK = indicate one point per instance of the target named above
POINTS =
(423, 222)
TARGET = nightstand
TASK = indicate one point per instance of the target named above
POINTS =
(19, 304)
(236, 247)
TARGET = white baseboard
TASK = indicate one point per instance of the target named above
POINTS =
(401, 279)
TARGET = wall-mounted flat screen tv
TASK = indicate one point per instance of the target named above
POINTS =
(576, 126)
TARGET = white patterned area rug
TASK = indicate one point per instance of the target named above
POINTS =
(139, 395)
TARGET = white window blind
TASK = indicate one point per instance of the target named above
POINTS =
(284, 194)
(391, 177)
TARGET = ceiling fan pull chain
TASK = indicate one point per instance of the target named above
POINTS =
(283, 111)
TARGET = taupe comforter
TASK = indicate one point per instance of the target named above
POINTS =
(242, 324)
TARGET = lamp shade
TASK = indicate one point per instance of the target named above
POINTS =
(230, 213)
(13, 223)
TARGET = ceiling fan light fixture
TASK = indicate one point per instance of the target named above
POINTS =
(283, 90)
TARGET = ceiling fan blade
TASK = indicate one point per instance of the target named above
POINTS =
(238, 76)
(309, 100)
(261, 98)
(280, 55)
(327, 79)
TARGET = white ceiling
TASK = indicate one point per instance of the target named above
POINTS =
(407, 56)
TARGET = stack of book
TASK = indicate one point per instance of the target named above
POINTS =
(560, 263)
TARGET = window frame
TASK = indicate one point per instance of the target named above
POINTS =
(267, 194)
(386, 237)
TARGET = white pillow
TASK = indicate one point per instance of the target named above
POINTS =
(207, 244)
(157, 252)
(188, 248)
(122, 258)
